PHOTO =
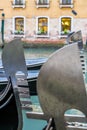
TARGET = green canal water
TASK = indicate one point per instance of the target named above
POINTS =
(32, 124)
(39, 52)
(33, 52)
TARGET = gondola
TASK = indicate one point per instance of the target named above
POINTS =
(9, 97)
(31, 78)
(33, 63)
(8, 109)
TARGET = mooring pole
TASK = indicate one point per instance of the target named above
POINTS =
(2, 27)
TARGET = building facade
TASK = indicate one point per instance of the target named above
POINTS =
(35, 19)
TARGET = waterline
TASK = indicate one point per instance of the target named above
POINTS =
(36, 52)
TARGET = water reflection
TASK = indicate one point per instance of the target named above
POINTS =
(37, 52)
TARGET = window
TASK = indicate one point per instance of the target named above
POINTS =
(42, 3)
(18, 3)
(18, 24)
(65, 25)
(66, 3)
(42, 26)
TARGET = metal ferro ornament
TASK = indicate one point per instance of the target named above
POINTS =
(14, 62)
(60, 85)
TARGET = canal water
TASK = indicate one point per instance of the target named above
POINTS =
(38, 52)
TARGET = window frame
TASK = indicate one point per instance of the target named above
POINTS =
(60, 27)
(14, 5)
(44, 5)
(18, 35)
(42, 35)
(71, 5)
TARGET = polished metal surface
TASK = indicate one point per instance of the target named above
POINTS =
(60, 85)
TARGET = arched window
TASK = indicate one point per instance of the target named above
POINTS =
(18, 25)
(65, 25)
(42, 26)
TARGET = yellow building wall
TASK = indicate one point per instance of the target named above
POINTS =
(54, 11)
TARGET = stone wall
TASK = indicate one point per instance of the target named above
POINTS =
(81, 24)
(30, 28)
